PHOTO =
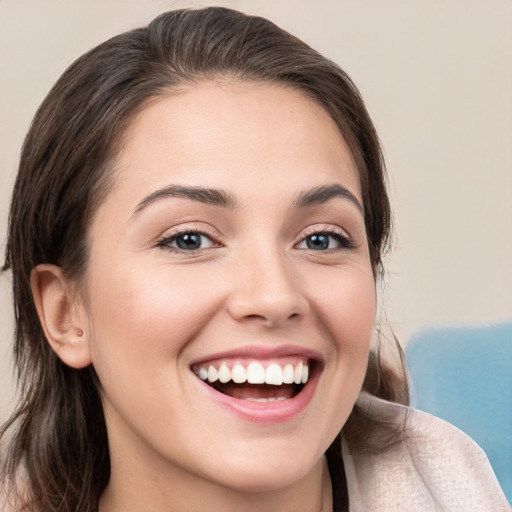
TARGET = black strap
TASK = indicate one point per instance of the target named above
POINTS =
(338, 477)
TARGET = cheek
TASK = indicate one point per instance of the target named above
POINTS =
(142, 327)
(139, 317)
(345, 308)
(346, 304)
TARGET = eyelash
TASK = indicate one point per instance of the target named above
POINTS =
(342, 239)
(166, 241)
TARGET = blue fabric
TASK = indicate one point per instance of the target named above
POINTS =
(464, 375)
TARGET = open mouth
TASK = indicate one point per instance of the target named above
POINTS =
(257, 381)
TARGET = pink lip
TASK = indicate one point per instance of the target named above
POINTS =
(262, 354)
(266, 412)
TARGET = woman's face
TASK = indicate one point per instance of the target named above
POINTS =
(231, 247)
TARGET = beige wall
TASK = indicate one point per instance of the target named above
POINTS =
(437, 77)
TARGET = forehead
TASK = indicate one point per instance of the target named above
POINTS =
(213, 132)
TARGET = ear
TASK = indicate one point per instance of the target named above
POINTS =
(60, 315)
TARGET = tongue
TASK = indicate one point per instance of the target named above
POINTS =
(247, 391)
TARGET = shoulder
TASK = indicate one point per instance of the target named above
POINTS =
(434, 466)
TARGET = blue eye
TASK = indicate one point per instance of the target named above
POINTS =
(189, 241)
(324, 242)
(318, 242)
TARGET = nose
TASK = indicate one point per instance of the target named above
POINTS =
(266, 290)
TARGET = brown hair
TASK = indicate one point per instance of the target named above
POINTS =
(59, 441)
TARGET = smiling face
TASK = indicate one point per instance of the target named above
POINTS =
(229, 295)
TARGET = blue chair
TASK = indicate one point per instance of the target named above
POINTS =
(464, 375)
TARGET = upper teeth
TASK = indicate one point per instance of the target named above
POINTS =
(255, 373)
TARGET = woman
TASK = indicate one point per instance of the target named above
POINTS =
(195, 236)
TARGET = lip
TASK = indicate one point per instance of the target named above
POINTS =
(261, 354)
(266, 412)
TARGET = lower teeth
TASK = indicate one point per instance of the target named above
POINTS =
(258, 393)
(263, 400)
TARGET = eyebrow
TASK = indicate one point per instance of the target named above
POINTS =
(209, 196)
(325, 193)
(223, 199)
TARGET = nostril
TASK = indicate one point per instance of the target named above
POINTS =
(271, 319)
(254, 317)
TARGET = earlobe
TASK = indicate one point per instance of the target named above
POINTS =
(59, 315)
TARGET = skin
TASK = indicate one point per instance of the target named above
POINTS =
(148, 311)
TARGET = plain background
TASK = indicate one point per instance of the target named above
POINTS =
(437, 79)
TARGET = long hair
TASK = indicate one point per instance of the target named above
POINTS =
(55, 443)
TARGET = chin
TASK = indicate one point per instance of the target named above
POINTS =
(267, 470)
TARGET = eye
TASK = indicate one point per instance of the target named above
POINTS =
(187, 241)
(324, 241)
